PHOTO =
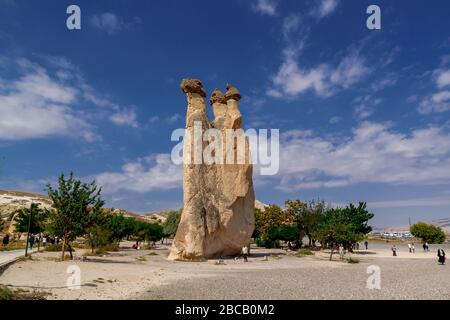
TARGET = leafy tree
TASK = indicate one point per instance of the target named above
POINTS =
(97, 231)
(172, 222)
(74, 202)
(39, 217)
(273, 216)
(343, 226)
(306, 215)
(150, 232)
(428, 232)
(120, 226)
(285, 233)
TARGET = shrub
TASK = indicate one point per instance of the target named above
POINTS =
(269, 244)
(56, 248)
(352, 260)
(305, 252)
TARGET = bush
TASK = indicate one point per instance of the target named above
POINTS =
(269, 244)
(56, 248)
(13, 245)
(305, 252)
(6, 293)
(352, 260)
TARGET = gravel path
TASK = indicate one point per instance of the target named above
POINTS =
(400, 279)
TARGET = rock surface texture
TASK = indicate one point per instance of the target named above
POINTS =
(219, 200)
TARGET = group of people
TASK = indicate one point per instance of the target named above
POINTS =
(426, 248)
(32, 240)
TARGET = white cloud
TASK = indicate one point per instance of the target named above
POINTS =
(324, 8)
(443, 78)
(125, 117)
(373, 153)
(43, 102)
(36, 106)
(265, 7)
(291, 80)
(155, 172)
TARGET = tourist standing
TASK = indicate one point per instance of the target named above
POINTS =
(245, 253)
(441, 256)
(341, 251)
(366, 244)
(394, 250)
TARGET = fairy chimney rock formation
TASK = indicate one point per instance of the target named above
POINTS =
(218, 199)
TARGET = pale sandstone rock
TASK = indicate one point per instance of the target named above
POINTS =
(219, 200)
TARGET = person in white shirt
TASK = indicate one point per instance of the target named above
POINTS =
(245, 253)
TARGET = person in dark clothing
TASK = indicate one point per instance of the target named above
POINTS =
(6, 240)
(366, 244)
(441, 256)
(31, 241)
(394, 251)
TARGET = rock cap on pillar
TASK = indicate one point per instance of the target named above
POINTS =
(232, 93)
(193, 86)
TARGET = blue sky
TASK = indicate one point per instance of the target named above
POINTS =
(363, 114)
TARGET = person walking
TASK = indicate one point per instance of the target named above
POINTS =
(409, 247)
(6, 240)
(341, 252)
(245, 253)
(424, 246)
(366, 244)
(31, 241)
(394, 250)
(427, 246)
(441, 256)
(413, 248)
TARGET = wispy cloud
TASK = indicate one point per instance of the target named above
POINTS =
(438, 101)
(324, 8)
(125, 117)
(111, 23)
(265, 7)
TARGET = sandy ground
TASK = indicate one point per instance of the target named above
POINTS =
(145, 274)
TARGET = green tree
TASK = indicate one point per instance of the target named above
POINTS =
(306, 216)
(287, 233)
(172, 222)
(39, 217)
(428, 232)
(343, 226)
(265, 220)
(97, 230)
(121, 227)
(73, 202)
